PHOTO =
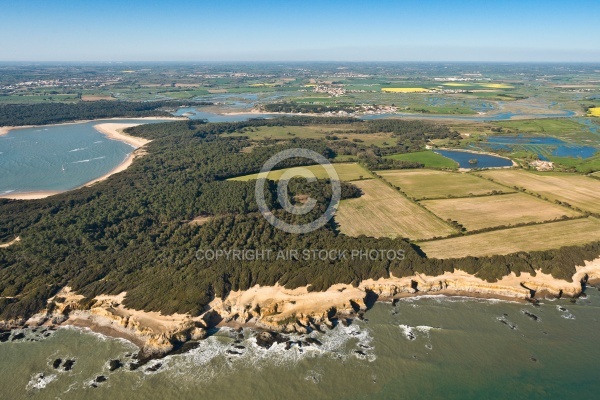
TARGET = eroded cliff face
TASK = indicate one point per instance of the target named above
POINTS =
(277, 309)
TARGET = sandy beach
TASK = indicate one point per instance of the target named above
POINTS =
(29, 195)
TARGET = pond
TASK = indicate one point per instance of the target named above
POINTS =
(466, 159)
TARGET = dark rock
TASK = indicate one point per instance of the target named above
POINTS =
(360, 353)
(4, 336)
(56, 363)
(233, 352)
(562, 309)
(68, 365)
(267, 339)
(133, 366)
(239, 347)
(114, 365)
(100, 379)
(18, 336)
(154, 368)
(530, 315)
(394, 302)
(314, 341)
(181, 348)
(505, 322)
(533, 359)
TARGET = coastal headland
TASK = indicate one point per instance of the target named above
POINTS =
(275, 309)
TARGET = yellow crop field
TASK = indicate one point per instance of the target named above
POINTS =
(497, 86)
(383, 212)
(577, 190)
(594, 111)
(430, 184)
(345, 171)
(492, 211)
(404, 90)
(506, 241)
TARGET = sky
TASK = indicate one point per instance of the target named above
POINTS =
(261, 30)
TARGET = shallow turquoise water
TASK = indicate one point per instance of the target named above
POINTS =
(433, 348)
(58, 157)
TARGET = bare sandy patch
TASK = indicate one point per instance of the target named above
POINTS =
(5, 245)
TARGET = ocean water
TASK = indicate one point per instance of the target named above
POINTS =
(430, 347)
(58, 157)
(483, 160)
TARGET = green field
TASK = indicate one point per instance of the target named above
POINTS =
(583, 165)
(427, 158)
(317, 132)
(507, 241)
(430, 184)
(546, 125)
(346, 172)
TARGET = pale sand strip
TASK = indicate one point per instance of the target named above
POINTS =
(5, 245)
(113, 131)
(29, 195)
(6, 129)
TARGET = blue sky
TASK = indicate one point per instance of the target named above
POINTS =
(84, 30)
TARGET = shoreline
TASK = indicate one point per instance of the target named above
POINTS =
(278, 310)
(9, 128)
(113, 131)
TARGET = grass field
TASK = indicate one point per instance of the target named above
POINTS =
(594, 111)
(481, 85)
(346, 172)
(316, 132)
(404, 90)
(427, 158)
(492, 211)
(577, 190)
(92, 97)
(429, 184)
(383, 212)
(548, 125)
(507, 241)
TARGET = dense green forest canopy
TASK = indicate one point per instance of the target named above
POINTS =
(52, 113)
(132, 232)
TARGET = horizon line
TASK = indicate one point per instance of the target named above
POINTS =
(307, 61)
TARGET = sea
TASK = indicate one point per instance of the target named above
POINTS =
(430, 347)
(58, 157)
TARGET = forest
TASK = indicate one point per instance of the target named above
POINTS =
(132, 232)
(53, 113)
